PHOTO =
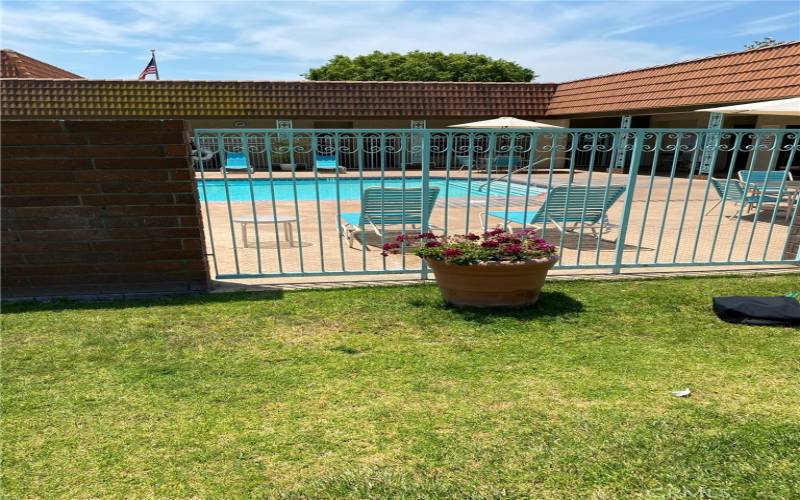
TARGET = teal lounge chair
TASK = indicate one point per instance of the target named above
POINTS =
(770, 182)
(507, 163)
(328, 163)
(383, 207)
(575, 205)
(734, 191)
(463, 162)
(236, 162)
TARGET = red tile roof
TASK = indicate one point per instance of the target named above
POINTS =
(16, 65)
(305, 99)
(752, 75)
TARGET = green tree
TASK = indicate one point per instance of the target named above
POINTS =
(767, 41)
(421, 66)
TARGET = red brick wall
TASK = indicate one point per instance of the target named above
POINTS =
(99, 207)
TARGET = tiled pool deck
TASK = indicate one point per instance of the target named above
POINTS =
(676, 244)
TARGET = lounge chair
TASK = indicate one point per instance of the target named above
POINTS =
(509, 163)
(327, 164)
(575, 205)
(383, 207)
(463, 162)
(734, 191)
(770, 182)
(236, 162)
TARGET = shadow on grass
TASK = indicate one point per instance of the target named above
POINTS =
(166, 301)
(550, 304)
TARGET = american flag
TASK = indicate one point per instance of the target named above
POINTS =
(150, 69)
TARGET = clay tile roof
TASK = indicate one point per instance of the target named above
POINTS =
(240, 99)
(16, 65)
(752, 75)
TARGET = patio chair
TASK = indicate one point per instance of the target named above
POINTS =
(328, 164)
(770, 182)
(236, 161)
(509, 163)
(463, 162)
(575, 205)
(734, 191)
(382, 207)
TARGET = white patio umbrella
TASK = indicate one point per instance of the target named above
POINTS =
(505, 122)
(786, 107)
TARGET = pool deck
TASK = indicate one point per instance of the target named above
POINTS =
(324, 251)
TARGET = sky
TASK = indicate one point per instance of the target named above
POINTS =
(280, 40)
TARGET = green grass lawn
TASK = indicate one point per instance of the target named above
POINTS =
(386, 392)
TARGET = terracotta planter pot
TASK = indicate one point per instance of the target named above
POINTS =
(492, 284)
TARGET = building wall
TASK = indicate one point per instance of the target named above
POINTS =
(100, 207)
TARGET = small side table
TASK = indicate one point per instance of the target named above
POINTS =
(285, 220)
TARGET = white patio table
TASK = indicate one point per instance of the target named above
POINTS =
(285, 220)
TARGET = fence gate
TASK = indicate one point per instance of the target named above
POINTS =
(295, 202)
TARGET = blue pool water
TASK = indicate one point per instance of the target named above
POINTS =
(348, 188)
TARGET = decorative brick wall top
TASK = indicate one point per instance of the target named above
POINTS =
(230, 99)
(99, 208)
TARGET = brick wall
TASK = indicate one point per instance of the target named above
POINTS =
(793, 249)
(99, 207)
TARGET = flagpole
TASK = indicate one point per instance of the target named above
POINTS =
(153, 52)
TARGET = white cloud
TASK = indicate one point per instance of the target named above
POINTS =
(586, 57)
(652, 18)
(771, 24)
(271, 40)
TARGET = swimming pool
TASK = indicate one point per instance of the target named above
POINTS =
(348, 188)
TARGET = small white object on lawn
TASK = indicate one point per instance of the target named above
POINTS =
(685, 393)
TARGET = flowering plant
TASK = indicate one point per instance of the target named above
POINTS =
(497, 245)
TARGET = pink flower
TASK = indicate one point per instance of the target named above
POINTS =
(471, 237)
(433, 244)
(545, 247)
(452, 252)
(490, 244)
(512, 249)
(494, 232)
(401, 238)
(426, 236)
(390, 246)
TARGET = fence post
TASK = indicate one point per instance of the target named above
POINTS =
(636, 158)
(619, 158)
(426, 166)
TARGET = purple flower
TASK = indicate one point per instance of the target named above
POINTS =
(512, 249)
(490, 244)
(433, 244)
(426, 236)
(452, 252)
(401, 237)
(390, 246)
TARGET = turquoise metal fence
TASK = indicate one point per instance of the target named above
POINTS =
(684, 199)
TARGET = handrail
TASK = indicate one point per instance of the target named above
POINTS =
(520, 169)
